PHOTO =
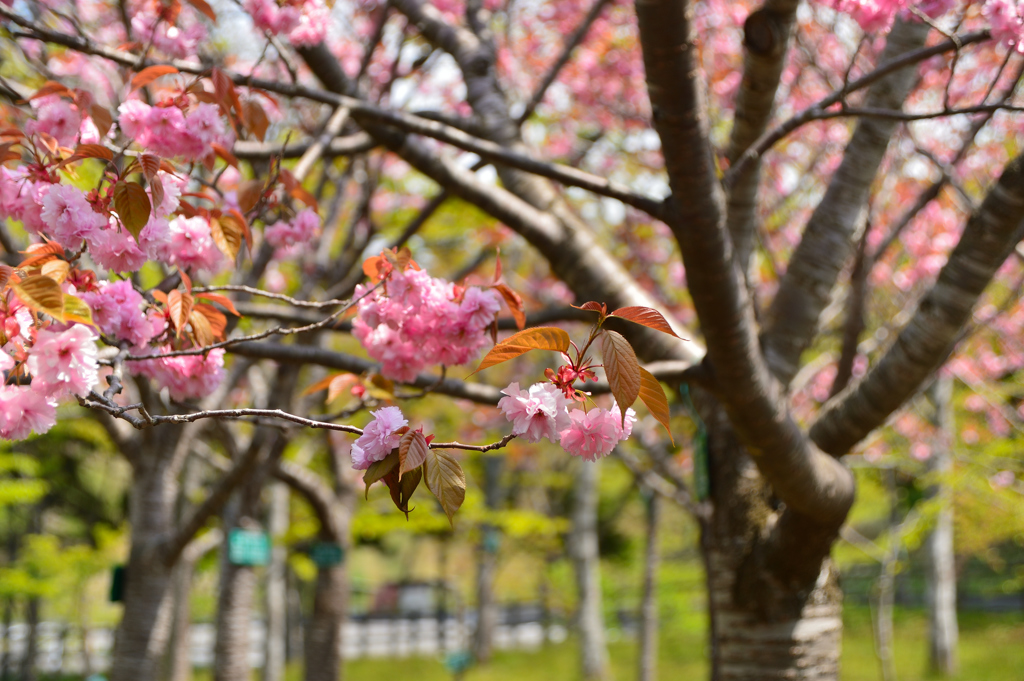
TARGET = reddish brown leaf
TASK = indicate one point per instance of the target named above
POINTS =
(224, 89)
(132, 205)
(514, 303)
(41, 253)
(653, 396)
(412, 451)
(101, 118)
(227, 237)
(180, 305)
(5, 275)
(256, 118)
(151, 73)
(84, 151)
(595, 307)
(214, 317)
(622, 369)
(202, 332)
(645, 316)
(204, 9)
(157, 189)
(51, 87)
(150, 165)
(249, 193)
(224, 153)
(539, 338)
(221, 300)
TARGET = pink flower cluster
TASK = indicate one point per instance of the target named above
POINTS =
(378, 438)
(23, 411)
(168, 131)
(1007, 19)
(300, 230)
(543, 412)
(415, 321)
(117, 308)
(305, 21)
(878, 15)
(178, 40)
(191, 245)
(188, 377)
(64, 363)
(58, 117)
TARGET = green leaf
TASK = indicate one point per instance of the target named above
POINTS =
(446, 480)
(539, 338)
(76, 310)
(378, 469)
(132, 205)
(645, 316)
(653, 396)
(622, 368)
(42, 294)
(412, 451)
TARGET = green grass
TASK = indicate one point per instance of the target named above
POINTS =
(991, 649)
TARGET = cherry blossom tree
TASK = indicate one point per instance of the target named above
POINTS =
(839, 177)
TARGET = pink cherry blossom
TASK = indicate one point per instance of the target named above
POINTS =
(594, 434)
(541, 412)
(116, 250)
(1007, 19)
(55, 116)
(64, 362)
(117, 308)
(24, 410)
(414, 321)
(378, 438)
(68, 217)
(191, 245)
(299, 230)
(188, 377)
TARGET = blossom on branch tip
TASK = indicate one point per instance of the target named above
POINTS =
(378, 438)
(594, 434)
(541, 412)
(23, 410)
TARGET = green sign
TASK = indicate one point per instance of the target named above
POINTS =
(248, 547)
(117, 579)
(326, 554)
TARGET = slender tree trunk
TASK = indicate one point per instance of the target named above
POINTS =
(885, 590)
(587, 565)
(146, 623)
(487, 563)
(943, 632)
(648, 663)
(237, 591)
(761, 626)
(323, 636)
(296, 626)
(179, 668)
(277, 588)
(28, 662)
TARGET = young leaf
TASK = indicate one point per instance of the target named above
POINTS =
(180, 304)
(653, 396)
(221, 300)
(218, 323)
(151, 73)
(514, 302)
(339, 384)
(101, 118)
(412, 451)
(76, 310)
(446, 481)
(42, 294)
(256, 118)
(227, 236)
(56, 269)
(225, 154)
(402, 487)
(150, 165)
(132, 205)
(539, 338)
(249, 193)
(41, 253)
(5, 275)
(52, 87)
(84, 151)
(202, 332)
(645, 316)
(378, 469)
(622, 368)
(594, 307)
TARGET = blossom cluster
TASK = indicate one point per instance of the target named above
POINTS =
(166, 130)
(186, 377)
(542, 412)
(877, 15)
(378, 438)
(304, 21)
(415, 321)
(298, 230)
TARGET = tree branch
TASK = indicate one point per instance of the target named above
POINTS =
(929, 336)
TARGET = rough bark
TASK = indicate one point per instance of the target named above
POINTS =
(146, 621)
(940, 575)
(236, 592)
(274, 662)
(827, 242)
(648, 662)
(760, 626)
(487, 563)
(587, 566)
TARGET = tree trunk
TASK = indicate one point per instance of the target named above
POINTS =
(762, 626)
(296, 625)
(943, 633)
(587, 565)
(179, 667)
(323, 635)
(487, 563)
(146, 623)
(28, 662)
(277, 588)
(648, 670)
(237, 591)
